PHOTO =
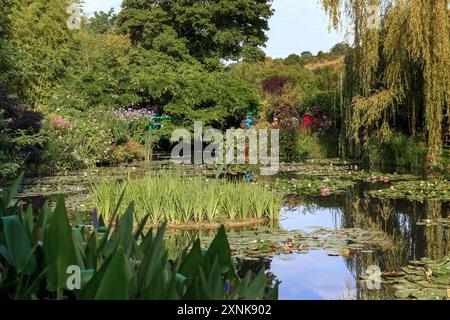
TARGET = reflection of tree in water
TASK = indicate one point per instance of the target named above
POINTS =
(176, 241)
(437, 237)
(357, 209)
(398, 220)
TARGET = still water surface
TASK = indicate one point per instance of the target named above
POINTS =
(316, 275)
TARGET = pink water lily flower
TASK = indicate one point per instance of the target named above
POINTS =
(325, 191)
(58, 120)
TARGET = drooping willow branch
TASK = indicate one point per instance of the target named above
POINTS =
(400, 62)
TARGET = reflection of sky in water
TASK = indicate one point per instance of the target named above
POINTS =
(303, 218)
(313, 276)
(316, 275)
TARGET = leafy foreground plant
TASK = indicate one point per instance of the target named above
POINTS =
(180, 200)
(43, 257)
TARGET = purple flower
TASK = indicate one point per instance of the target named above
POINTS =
(95, 218)
(227, 287)
(131, 113)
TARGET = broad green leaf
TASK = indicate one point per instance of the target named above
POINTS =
(189, 266)
(5, 254)
(156, 289)
(112, 280)
(78, 243)
(7, 199)
(215, 282)
(18, 245)
(255, 290)
(126, 229)
(41, 222)
(219, 247)
(142, 224)
(171, 290)
(91, 253)
(77, 218)
(27, 220)
(154, 252)
(111, 221)
(58, 247)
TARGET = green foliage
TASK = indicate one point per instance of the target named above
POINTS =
(216, 99)
(395, 76)
(88, 140)
(101, 22)
(16, 147)
(308, 87)
(294, 59)
(115, 261)
(297, 146)
(340, 48)
(42, 44)
(400, 151)
(309, 146)
(208, 31)
(84, 75)
(182, 200)
(79, 144)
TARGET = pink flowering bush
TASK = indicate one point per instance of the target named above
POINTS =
(61, 122)
(90, 141)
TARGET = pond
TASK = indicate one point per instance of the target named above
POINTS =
(322, 247)
(332, 269)
(317, 275)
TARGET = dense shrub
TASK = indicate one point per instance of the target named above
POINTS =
(127, 152)
(20, 138)
(310, 146)
(275, 84)
(75, 144)
(400, 152)
(288, 149)
(85, 139)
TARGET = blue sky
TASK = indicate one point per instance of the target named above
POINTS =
(296, 26)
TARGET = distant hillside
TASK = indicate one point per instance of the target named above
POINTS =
(334, 63)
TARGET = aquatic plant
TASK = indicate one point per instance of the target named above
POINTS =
(183, 200)
(423, 280)
(421, 190)
(44, 257)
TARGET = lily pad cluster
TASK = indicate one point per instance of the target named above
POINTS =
(445, 222)
(311, 186)
(416, 190)
(424, 280)
(261, 242)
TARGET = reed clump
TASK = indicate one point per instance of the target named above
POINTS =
(180, 200)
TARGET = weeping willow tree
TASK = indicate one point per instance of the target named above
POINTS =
(397, 71)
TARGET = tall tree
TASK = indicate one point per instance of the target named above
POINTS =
(102, 22)
(396, 66)
(43, 41)
(5, 47)
(208, 30)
